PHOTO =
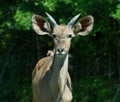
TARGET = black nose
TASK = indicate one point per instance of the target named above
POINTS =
(60, 50)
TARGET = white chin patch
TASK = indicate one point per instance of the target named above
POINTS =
(61, 53)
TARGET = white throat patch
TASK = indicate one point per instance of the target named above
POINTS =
(63, 53)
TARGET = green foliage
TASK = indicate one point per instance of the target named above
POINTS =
(116, 15)
(49, 4)
(92, 89)
(22, 20)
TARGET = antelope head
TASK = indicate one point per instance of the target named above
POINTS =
(62, 34)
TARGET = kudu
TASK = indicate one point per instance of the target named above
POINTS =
(51, 81)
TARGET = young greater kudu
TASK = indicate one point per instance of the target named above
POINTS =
(51, 81)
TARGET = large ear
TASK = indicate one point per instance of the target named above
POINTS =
(84, 26)
(40, 25)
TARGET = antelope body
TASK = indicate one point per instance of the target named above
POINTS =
(51, 81)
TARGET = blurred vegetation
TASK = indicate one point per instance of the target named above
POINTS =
(95, 59)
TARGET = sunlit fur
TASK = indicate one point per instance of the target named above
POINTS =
(62, 39)
(51, 81)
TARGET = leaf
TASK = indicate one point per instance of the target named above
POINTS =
(22, 20)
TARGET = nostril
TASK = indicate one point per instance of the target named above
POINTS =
(60, 50)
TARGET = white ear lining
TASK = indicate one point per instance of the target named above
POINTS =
(33, 19)
(38, 30)
(47, 26)
(78, 26)
(87, 31)
(86, 28)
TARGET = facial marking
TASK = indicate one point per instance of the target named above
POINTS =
(62, 32)
(62, 38)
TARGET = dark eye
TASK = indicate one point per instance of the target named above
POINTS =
(54, 35)
(70, 36)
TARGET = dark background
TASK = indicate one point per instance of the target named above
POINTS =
(94, 59)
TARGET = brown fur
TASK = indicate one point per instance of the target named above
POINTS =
(51, 81)
(40, 71)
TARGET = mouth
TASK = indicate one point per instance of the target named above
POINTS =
(61, 53)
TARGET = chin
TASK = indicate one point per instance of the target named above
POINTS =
(62, 53)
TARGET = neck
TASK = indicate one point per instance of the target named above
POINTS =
(60, 70)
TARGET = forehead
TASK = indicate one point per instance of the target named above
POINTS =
(62, 30)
